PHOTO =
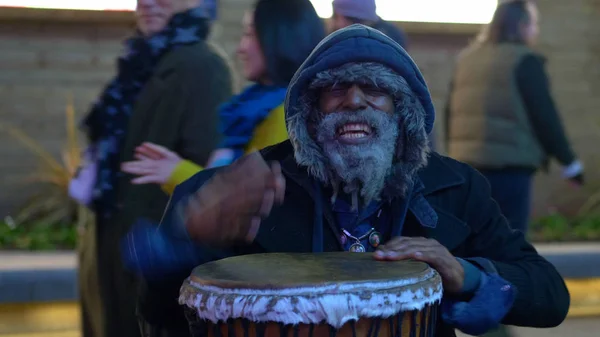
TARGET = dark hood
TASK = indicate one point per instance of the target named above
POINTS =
(358, 43)
(359, 52)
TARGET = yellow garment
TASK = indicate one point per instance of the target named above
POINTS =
(182, 172)
(271, 131)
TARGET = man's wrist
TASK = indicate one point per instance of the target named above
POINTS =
(472, 277)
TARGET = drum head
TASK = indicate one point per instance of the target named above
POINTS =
(309, 288)
(285, 270)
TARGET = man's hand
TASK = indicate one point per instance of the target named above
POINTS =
(231, 206)
(429, 251)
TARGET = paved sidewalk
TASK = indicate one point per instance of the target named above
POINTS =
(52, 276)
(13, 260)
(573, 260)
(572, 327)
(28, 278)
(568, 248)
(38, 277)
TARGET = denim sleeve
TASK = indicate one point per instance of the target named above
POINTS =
(492, 298)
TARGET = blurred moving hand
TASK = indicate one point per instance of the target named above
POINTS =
(154, 164)
(229, 208)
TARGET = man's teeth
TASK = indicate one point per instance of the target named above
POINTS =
(358, 130)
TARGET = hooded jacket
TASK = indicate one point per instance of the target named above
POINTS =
(451, 204)
(358, 43)
(362, 45)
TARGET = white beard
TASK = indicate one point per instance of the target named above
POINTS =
(362, 169)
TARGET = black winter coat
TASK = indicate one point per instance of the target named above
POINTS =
(469, 225)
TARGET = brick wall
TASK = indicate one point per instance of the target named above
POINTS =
(42, 60)
(41, 63)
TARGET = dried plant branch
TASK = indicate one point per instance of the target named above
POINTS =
(52, 204)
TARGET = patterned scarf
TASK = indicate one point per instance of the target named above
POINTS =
(244, 112)
(108, 121)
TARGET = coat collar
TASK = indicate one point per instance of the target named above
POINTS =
(437, 176)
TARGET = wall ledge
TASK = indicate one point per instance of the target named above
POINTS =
(52, 276)
(108, 17)
(65, 15)
(439, 28)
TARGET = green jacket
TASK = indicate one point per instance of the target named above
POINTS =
(178, 109)
(488, 122)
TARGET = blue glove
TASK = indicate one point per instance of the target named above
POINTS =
(152, 253)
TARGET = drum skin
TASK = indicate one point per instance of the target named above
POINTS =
(279, 271)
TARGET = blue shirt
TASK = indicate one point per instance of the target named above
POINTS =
(483, 288)
(375, 219)
(364, 224)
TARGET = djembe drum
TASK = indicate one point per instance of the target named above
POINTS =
(311, 295)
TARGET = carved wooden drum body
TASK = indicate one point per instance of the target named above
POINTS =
(311, 295)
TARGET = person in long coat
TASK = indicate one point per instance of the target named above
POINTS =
(167, 90)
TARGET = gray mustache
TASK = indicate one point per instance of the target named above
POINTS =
(378, 120)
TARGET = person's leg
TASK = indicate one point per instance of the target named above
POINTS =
(117, 287)
(90, 300)
(121, 319)
(91, 324)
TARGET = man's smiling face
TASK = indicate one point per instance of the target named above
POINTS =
(357, 129)
(352, 98)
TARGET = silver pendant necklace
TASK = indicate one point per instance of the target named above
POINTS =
(357, 247)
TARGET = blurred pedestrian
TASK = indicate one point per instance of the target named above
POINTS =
(501, 117)
(168, 86)
(348, 12)
(277, 37)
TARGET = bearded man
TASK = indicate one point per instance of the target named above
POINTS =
(358, 116)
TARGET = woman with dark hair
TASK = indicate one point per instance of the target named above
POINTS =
(500, 115)
(277, 37)
(287, 31)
